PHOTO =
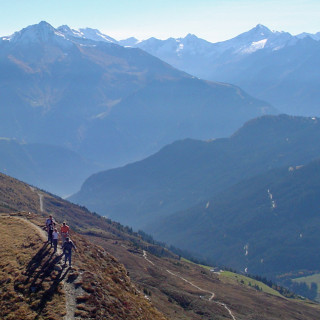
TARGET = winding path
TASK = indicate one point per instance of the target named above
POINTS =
(70, 291)
(195, 286)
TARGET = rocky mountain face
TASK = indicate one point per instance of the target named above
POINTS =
(191, 177)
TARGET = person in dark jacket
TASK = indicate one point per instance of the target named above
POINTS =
(67, 250)
(50, 223)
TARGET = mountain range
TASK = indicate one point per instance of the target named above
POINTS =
(174, 193)
(108, 103)
(274, 66)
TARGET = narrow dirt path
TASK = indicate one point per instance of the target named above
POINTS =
(195, 286)
(145, 256)
(71, 291)
(40, 198)
(41, 201)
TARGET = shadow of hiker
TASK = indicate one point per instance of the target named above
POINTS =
(42, 264)
(45, 266)
(47, 295)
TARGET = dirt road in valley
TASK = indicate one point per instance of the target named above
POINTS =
(212, 294)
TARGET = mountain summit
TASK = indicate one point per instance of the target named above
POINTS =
(38, 33)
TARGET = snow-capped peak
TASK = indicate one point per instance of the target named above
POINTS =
(37, 33)
(67, 31)
(96, 35)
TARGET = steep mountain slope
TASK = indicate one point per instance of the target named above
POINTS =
(274, 66)
(89, 96)
(165, 111)
(46, 166)
(19, 274)
(38, 285)
(190, 171)
(268, 224)
(101, 287)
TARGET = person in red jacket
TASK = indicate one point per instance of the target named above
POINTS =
(65, 232)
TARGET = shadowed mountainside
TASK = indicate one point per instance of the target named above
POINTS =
(268, 224)
(187, 172)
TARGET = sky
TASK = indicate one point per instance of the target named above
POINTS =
(213, 20)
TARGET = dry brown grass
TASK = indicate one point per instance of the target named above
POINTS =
(179, 300)
(29, 287)
(107, 290)
(33, 287)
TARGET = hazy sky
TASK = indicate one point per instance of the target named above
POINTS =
(213, 20)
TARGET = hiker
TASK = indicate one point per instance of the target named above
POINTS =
(64, 229)
(55, 236)
(49, 225)
(67, 250)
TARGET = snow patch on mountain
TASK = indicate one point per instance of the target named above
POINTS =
(256, 45)
(96, 35)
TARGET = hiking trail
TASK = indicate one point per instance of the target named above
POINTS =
(195, 286)
(71, 291)
(40, 198)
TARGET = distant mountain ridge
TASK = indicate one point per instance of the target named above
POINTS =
(273, 66)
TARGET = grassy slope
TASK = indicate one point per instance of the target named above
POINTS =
(107, 289)
(308, 280)
(30, 288)
(242, 279)
(180, 300)
(104, 288)
(250, 282)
